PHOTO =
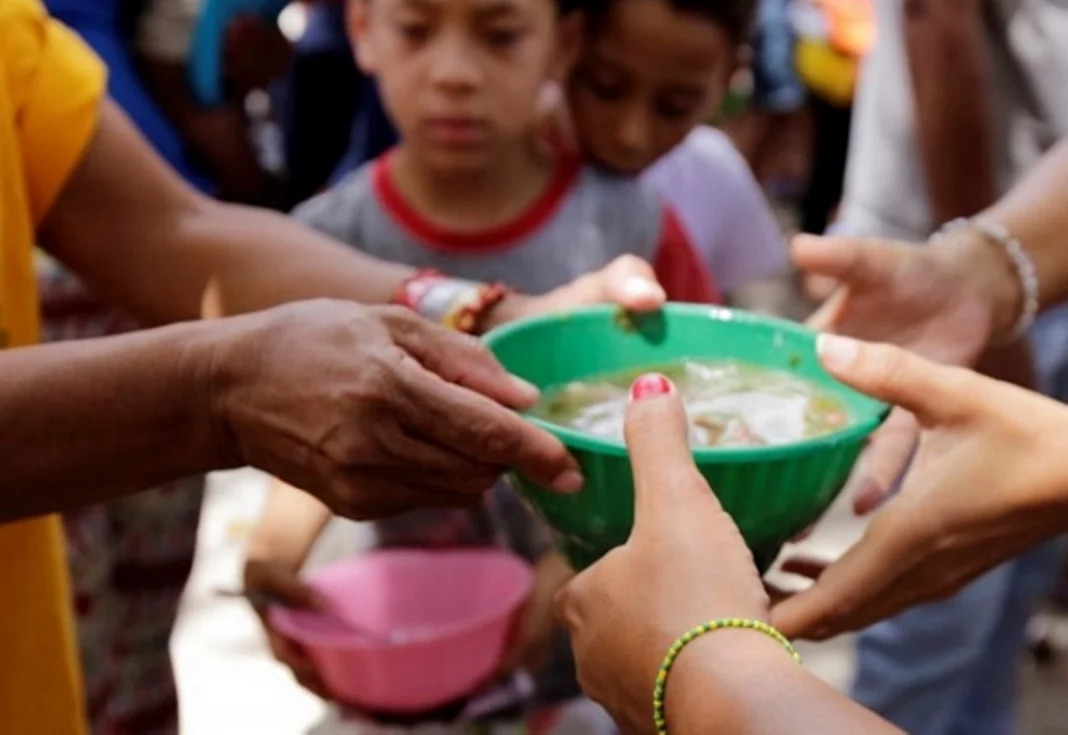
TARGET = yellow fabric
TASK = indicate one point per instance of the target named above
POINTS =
(51, 86)
(826, 71)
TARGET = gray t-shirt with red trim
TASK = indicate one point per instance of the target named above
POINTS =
(583, 221)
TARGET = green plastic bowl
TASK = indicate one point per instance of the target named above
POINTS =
(773, 493)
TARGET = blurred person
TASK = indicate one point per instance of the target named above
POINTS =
(952, 107)
(767, 131)
(651, 73)
(254, 53)
(634, 107)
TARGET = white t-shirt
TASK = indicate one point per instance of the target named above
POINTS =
(712, 189)
(885, 192)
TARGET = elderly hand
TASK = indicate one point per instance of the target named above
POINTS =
(373, 410)
(989, 481)
(684, 564)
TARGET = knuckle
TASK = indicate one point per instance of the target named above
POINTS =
(498, 440)
(888, 365)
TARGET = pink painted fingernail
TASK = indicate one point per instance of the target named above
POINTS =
(649, 386)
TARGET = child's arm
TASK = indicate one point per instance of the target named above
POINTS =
(291, 522)
(531, 538)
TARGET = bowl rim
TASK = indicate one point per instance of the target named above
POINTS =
(282, 617)
(575, 439)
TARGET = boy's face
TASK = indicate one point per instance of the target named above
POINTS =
(650, 73)
(460, 78)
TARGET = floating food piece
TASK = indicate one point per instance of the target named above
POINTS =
(729, 404)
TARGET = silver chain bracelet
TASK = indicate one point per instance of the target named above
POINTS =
(1021, 262)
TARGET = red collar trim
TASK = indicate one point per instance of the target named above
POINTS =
(496, 238)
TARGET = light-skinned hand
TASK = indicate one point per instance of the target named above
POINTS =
(685, 563)
(990, 480)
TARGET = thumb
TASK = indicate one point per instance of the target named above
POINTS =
(933, 393)
(854, 262)
(658, 439)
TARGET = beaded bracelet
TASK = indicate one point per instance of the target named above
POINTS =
(659, 715)
(452, 302)
(1022, 264)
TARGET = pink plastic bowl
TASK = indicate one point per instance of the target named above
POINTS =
(413, 630)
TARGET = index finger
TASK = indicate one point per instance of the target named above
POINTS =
(458, 358)
(853, 261)
(472, 425)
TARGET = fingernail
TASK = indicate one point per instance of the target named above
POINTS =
(638, 287)
(529, 390)
(836, 352)
(868, 497)
(649, 386)
(570, 481)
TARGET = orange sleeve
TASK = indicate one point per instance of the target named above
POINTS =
(681, 272)
(56, 85)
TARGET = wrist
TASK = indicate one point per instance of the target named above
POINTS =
(455, 303)
(214, 362)
(989, 273)
(513, 306)
(716, 674)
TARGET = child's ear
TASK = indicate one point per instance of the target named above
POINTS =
(570, 43)
(359, 21)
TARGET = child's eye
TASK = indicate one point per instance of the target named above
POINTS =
(604, 89)
(414, 32)
(673, 110)
(503, 37)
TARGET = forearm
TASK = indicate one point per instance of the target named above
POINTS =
(85, 422)
(292, 521)
(950, 83)
(138, 235)
(1036, 212)
(741, 682)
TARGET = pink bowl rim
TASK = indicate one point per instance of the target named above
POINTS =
(281, 616)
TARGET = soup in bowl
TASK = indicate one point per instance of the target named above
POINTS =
(775, 436)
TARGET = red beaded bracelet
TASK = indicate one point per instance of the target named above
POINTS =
(454, 303)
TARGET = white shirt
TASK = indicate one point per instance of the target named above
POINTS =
(885, 192)
(712, 190)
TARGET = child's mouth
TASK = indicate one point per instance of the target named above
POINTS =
(456, 131)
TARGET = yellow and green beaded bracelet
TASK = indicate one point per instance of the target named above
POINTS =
(659, 715)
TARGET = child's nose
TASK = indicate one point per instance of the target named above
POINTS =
(634, 130)
(453, 65)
